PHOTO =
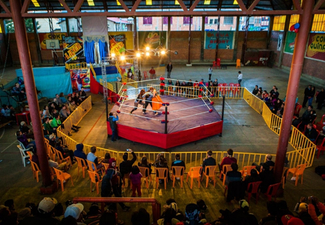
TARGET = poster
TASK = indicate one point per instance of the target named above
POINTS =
(80, 78)
(279, 45)
(290, 42)
(226, 39)
(117, 43)
(72, 48)
(316, 46)
(48, 36)
(154, 39)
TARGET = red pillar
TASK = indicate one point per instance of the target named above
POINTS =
(293, 84)
(26, 66)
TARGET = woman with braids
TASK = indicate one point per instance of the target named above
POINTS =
(138, 100)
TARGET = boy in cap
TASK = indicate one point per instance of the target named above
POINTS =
(75, 210)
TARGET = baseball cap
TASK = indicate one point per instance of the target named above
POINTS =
(74, 210)
(291, 220)
(47, 205)
(243, 203)
(303, 207)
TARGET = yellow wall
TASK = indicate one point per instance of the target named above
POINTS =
(128, 36)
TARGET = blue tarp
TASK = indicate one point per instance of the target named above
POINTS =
(51, 80)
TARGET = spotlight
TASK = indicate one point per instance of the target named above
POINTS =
(147, 48)
(163, 52)
(122, 58)
(113, 55)
(138, 54)
(147, 54)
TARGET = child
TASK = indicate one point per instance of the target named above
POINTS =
(135, 177)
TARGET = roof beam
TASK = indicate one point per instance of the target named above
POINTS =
(135, 6)
(3, 5)
(242, 5)
(65, 6)
(320, 11)
(105, 5)
(78, 5)
(318, 4)
(194, 5)
(297, 5)
(182, 5)
(123, 5)
(252, 6)
(25, 6)
(5, 15)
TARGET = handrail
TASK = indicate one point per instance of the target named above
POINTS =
(156, 207)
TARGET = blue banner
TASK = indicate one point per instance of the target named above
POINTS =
(226, 39)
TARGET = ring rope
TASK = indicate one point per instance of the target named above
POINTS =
(206, 104)
(187, 108)
(187, 116)
(141, 116)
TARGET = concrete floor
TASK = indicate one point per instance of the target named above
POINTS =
(244, 130)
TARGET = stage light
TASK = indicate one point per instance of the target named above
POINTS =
(163, 52)
(147, 54)
(147, 48)
(113, 55)
(122, 58)
(138, 54)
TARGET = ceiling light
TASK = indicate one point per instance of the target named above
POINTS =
(91, 2)
(35, 3)
(118, 2)
(113, 55)
(122, 58)
(163, 52)
(147, 48)
(207, 2)
(138, 54)
(176, 2)
(235, 2)
(147, 54)
(148, 2)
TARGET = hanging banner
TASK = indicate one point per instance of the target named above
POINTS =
(290, 42)
(72, 49)
(117, 43)
(80, 78)
(48, 36)
(279, 45)
(226, 40)
(316, 46)
(154, 39)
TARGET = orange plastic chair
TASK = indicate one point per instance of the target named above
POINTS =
(92, 166)
(161, 174)
(284, 176)
(321, 148)
(62, 177)
(61, 159)
(254, 190)
(209, 173)
(223, 173)
(94, 178)
(238, 63)
(30, 155)
(247, 170)
(298, 171)
(178, 172)
(106, 166)
(81, 164)
(194, 173)
(272, 190)
(297, 110)
(35, 170)
(126, 176)
(145, 174)
(52, 152)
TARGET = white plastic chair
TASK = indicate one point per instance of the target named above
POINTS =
(23, 147)
(23, 154)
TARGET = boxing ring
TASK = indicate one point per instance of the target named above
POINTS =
(186, 115)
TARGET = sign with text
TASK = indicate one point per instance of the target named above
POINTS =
(154, 39)
(48, 36)
(316, 46)
(290, 42)
(226, 39)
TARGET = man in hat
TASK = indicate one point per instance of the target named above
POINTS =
(75, 211)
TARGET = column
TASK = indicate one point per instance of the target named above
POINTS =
(135, 41)
(244, 47)
(236, 39)
(217, 39)
(293, 85)
(202, 38)
(189, 43)
(26, 66)
(38, 47)
(168, 39)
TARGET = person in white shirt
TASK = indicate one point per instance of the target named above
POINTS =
(210, 72)
(240, 77)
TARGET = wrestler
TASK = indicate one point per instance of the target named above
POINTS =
(138, 100)
(149, 97)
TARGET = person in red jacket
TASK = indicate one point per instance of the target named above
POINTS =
(228, 160)
(312, 202)
(152, 73)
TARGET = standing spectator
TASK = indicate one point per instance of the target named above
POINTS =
(112, 123)
(311, 132)
(307, 95)
(312, 94)
(240, 77)
(210, 72)
(255, 90)
(320, 99)
(152, 73)
(126, 165)
(169, 69)
(135, 177)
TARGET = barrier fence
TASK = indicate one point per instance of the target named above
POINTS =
(304, 149)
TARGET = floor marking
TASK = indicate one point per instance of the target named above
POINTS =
(93, 126)
(8, 146)
(3, 132)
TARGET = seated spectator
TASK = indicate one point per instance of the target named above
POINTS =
(289, 219)
(108, 217)
(64, 112)
(169, 217)
(305, 116)
(76, 211)
(277, 106)
(53, 164)
(64, 150)
(24, 140)
(253, 177)
(269, 161)
(82, 94)
(265, 95)
(24, 128)
(303, 214)
(267, 178)
(62, 98)
(162, 162)
(228, 160)
(56, 122)
(69, 221)
(144, 163)
(45, 212)
(208, 161)
(53, 107)
(79, 151)
(106, 158)
(93, 215)
(46, 112)
(240, 215)
(57, 99)
(178, 162)
(270, 219)
(140, 217)
(5, 111)
(47, 127)
(310, 132)
(12, 112)
(282, 210)
(23, 215)
(259, 95)
(126, 165)
(18, 91)
(93, 158)
(233, 175)
(69, 98)
(72, 106)
(280, 111)
(11, 205)
(255, 90)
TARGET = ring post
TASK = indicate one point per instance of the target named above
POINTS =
(223, 107)
(166, 112)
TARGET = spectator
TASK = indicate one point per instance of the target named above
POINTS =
(56, 122)
(144, 163)
(240, 77)
(282, 210)
(23, 215)
(312, 94)
(46, 112)
(259, 95)
(53, 164)
(72, 106)
(24, 140)
(45, 212)
(64, 112)
(57, 99)
(24, 128)
(12, 112)
(126, 165)
(82, 94)
(140, 217)
(5, 111)
(311, 132)
(108, 218)
(303, 214)
(289, 219)
(320, 99)
(208, 161)
(135, 177)
(93, 158)
(69, 221)
(18, 91)
(255, 90)
(62, 98)
(242, 215)
(79, 151)
(47, 127)
(169, 69)
(11, 205)
(106, 158)
(112, 123)
(215, 83)
(93, 215)
(162, 162)
(267, 178)
(75, 210)
(233, 175)
(313, 203)
(64, 150)
(269, 161)
(228, 160)
(152, 73)
(169, 217)
(210, 70)
(253, 177)
(178, 161)
(307, 95)
(270, 219)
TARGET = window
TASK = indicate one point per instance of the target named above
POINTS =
(318, 23)
(165, 20)
(186, 20)
(256, 23)
(279, 23)
(211, 21)
(293, 20)
(228, 20)
(215, 21)
(74, 23)
(147, 20)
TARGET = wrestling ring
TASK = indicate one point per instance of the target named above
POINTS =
(178, 115)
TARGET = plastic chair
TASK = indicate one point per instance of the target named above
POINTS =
(35, 170)
(145, 174)
(321, 123)
(178, 172)
(92, 166)
(126, 176)
(23, 147)
(247, 170)
(272, 190)
(254, 190)
(61, 159)
(161, 174)
(284, 176)
(223, 173)
(94, 178)
(209, 172)
(30, 155)
(238, 63)
(298, 171)
(297, 110)
(23, 154)
(106, 166)
(321, 148)
(194, 173)
(81, 164)
(62, 177)
(52, 152)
